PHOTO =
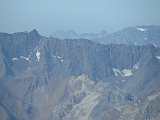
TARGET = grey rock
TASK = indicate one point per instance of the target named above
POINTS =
(51, 79)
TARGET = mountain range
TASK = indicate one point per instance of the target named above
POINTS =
(46, 78)
(133, 35)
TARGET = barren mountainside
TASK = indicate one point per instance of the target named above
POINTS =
(46, 78)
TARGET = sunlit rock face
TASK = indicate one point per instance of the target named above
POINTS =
(51, 79)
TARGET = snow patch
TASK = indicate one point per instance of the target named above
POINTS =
(14, 59)
(154, 44)
(58, 57)
(26, 58)
(22, 57)
(127, 72)
(124, 80)
(124, 73)
(158, 57)
(28, 68)
(116, 71)
(54, 56)
(136, 66)
(141, 29)
(38, 55)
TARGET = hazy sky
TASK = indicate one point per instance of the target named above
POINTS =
(80, 15)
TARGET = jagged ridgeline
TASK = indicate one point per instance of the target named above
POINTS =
(133, 35)
(46, 78)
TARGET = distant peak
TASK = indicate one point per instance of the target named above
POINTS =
(34, 31)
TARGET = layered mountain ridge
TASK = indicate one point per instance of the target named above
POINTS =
(51, 79)
(133, 35)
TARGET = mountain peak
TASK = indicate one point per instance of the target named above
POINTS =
(34, 32)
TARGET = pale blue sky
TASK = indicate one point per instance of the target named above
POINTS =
(80, 15)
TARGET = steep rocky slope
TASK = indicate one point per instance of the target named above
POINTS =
(51, 79)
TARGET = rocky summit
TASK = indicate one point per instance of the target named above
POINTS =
(46, 78)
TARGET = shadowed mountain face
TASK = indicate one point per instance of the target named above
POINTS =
(51, 79)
